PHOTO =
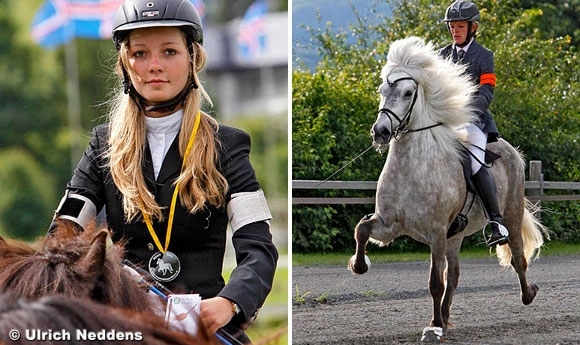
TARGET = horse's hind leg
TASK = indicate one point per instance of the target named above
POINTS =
(529, 290)
(519, 230)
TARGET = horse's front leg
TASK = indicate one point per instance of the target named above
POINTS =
(434, 332)
(453, 247)
(362, 232)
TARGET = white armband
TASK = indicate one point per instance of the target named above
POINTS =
(247, 207)
(76, 208)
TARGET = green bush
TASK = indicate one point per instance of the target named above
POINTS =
(332, 114)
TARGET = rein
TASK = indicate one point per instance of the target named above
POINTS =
(344, 166)
(483, 164)
(404, 122)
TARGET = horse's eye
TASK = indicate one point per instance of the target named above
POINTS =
(408, 94)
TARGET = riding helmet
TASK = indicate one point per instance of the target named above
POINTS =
(136, 14)
(461, 10)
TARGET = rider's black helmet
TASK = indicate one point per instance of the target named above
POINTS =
(461, 10)
(136, 14)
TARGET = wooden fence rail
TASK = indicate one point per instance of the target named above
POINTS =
(535, 188)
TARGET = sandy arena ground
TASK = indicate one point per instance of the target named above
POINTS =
(390, 304)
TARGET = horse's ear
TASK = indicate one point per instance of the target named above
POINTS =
(93, 262)
(3, 244)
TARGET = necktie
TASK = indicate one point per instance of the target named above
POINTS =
(460, 54)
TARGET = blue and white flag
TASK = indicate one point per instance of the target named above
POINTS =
(58, 21)
(252, 33)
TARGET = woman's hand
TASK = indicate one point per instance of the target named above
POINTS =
(215, 313)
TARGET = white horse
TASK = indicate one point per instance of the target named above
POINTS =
(421, 190)
(164, 266)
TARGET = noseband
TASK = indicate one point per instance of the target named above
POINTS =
(404, 122)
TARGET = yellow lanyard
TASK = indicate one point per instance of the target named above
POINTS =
(174, 198)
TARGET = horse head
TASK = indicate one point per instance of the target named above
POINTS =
(420, 90)
(85, 268)
(85, 265)
(398, 94)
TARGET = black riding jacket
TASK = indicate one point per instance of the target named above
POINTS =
(480, 67)
(198, 240)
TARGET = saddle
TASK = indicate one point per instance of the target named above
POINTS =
(460, 222)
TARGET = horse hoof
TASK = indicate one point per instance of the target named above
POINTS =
(529, 297)
(368, 262)
(432, 335)
(359, 267)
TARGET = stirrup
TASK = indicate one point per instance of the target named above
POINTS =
(496, 238)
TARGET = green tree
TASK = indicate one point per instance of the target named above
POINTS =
(559, 18)
(32, 109)
(27, 195)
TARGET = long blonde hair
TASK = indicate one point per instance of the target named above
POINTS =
(200, 181)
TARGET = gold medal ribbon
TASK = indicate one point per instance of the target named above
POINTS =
(174, 198)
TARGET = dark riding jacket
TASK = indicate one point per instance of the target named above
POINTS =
(199, 239)
(480, 67)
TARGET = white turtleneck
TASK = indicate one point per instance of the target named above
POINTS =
(161, 131)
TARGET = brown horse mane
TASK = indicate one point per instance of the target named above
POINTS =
(85, 265)
(72, 314)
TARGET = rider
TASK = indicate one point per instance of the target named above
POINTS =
(170, 207)
(462, 20)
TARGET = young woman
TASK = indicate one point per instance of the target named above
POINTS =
(169, 176)
(462, 20)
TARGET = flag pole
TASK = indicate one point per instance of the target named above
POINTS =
(73, 102)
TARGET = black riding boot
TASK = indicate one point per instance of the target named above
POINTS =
(486, 189)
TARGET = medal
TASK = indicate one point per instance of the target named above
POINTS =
(164, 266)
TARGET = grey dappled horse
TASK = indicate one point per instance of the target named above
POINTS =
(424, 103)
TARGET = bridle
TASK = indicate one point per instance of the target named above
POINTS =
(404, 121)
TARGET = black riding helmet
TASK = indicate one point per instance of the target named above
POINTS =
(137, 14)
(462, 10)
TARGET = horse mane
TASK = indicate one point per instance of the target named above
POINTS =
(444, 90)
(69, 280)
(14, 248)
(71, 314)
(82, 265)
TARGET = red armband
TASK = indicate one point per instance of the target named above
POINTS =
(487, 78)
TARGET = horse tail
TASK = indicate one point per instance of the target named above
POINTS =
(533, 233)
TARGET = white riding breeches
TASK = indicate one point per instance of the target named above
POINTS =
(477, 142)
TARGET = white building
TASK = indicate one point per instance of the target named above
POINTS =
(256, 84)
